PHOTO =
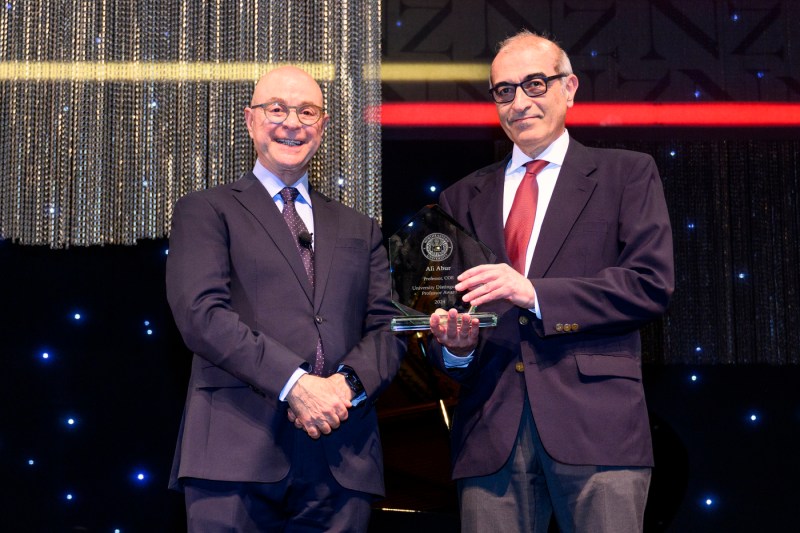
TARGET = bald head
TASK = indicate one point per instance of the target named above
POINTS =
(286, 79)
(285, 148)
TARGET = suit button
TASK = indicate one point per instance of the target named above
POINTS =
(523, 320)
(520, 367)
(318, 319)
(574, 327)
(567, 328)
(559, 327)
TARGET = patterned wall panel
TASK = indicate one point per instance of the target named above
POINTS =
(622, 50)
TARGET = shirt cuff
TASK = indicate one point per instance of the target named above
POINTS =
(456, 361)
(289, 384)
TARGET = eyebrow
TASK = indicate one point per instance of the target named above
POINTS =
(526, 78)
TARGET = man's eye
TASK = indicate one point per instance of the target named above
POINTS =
(504, 90)
(308, 112)
(534, 84)
(274, 109)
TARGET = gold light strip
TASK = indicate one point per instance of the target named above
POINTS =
(231, 71)
(149, 71)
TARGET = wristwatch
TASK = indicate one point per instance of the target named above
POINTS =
(351, 379)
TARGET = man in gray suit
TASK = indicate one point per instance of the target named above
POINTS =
(551, 416)
(283, 295)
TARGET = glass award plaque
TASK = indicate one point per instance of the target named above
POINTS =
(426, 256)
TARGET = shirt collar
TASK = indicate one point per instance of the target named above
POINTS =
(554, 153)
(273, 184)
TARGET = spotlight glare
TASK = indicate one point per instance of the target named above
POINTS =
(45, 355)
(433, 188)
(31, 462)
(694, 377)
(69, 496)
(76, 316)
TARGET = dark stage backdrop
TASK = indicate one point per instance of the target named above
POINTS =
(720, 377)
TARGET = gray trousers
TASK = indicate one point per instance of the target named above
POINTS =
(531, 487)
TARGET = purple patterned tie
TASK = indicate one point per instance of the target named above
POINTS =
(302, 239)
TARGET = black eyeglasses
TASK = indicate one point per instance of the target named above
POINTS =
(278, 112)
(504, 93)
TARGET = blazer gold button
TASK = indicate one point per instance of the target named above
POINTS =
(519, 367)
(523, 320)
(574, 327)
(567, 328)
(559, 327)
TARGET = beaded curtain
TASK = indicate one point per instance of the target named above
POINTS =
(112, 110)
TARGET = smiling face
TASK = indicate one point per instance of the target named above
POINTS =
(533, 123)
(285, 149)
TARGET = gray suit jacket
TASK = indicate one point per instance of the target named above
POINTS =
(602, 268)
(243, 304)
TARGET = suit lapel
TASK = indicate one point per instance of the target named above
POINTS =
(326, 229)
(249, 192)
(486, 210)
(573, 189)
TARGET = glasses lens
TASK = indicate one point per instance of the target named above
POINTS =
(275, 112)
(308, 114)
(503, 93)
(534, 87)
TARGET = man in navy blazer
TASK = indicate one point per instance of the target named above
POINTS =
(268, 442)
(551, 417)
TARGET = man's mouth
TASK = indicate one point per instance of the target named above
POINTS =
(289, 142)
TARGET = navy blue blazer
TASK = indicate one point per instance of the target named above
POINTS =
(602, 267)
(243, 304)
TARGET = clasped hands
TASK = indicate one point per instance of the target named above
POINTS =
(482, 284)
(319, 405)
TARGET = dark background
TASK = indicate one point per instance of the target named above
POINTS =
(721, 368)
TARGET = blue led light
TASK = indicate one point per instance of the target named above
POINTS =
(709, 502)
(340, 181)
(760, 74)
(166, 251)
(146, 322)
(735, 17)
(76, 316)
(698, 349)
(690, 225)
(140, 477)
(433, 188)
(673, 153)
(753, 417)
(410, 224)
(593, 53)
(69, 496)
(149, 331)
(45, 355)
(31, 462)
(399, 23)
(694, 377)
(741, 275)
(697, 94)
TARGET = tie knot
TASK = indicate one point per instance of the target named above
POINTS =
(535, 166)
(289, 194)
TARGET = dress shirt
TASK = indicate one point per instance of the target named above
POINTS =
(547, 177)
(302, 204)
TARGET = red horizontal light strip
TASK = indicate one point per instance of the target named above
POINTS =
(718, 114)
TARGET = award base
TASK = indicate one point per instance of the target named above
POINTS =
(423, 322)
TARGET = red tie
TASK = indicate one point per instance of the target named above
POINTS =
(523, 212)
